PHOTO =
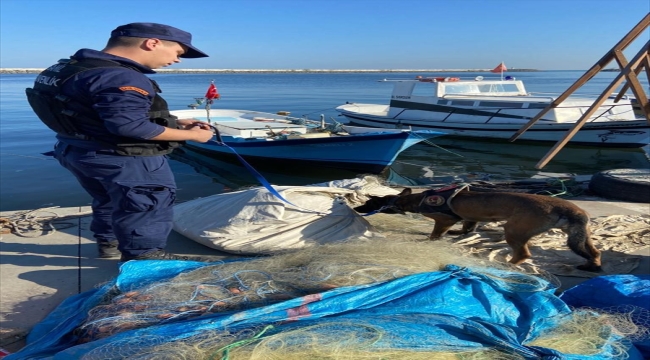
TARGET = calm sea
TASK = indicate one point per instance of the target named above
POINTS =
(29, 180)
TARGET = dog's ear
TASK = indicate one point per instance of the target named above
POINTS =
(406, 191)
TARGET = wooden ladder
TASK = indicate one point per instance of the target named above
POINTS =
(628, 71)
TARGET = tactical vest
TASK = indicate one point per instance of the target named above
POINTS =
(52, 107)
(438, 200)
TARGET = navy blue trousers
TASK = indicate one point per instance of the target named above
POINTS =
(133, 196)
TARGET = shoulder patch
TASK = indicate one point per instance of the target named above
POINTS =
(133, 88)
(435, 200)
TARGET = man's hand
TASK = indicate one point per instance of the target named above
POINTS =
(200, 134)
(190, 129)
(188, 124)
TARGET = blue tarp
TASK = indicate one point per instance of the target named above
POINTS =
(627, 294)
(457, 309)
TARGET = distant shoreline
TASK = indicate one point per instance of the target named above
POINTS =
(279, 71)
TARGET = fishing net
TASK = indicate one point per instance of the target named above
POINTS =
(583, 332)
(620, 238)
(390, 298)
(239, 285)
(333, 340)
(588, 331)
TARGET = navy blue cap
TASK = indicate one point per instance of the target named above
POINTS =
(162, 32)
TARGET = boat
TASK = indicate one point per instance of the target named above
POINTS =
(498, 108)
(268, 139)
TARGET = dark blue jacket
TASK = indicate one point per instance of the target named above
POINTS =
(119, 96)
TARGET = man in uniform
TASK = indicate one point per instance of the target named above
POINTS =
(114, 130)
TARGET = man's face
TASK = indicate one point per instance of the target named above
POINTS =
(165, 53)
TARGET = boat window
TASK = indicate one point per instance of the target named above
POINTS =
(462, 102)
(423, 89)
(442, 102)
(501, 104)
(482, 89)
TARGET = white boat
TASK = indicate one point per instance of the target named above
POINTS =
(270, 139)
(498, 108)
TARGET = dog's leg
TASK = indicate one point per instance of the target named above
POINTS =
(518, 242)
(579, 241)
(468, 227)
(443, 223)
(520, 252)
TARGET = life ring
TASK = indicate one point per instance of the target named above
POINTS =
(631, 185)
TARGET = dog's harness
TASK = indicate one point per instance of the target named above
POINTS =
(433, 201)
(439, 200)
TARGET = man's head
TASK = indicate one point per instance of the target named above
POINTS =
(152, 45)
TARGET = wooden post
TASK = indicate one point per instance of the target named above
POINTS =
(600, 64)
(599, 101)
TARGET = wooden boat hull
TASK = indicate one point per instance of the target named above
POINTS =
(363, 153)
(264, 138)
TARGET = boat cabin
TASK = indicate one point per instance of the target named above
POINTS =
(449, 86)
(444, 98)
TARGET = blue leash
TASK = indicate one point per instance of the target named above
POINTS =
(259, 176)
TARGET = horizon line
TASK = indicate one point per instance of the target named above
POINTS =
(25, 70)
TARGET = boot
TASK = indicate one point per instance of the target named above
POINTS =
(108, 249)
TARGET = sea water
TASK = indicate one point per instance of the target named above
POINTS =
(30, 180)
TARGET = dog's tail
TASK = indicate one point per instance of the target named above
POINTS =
(576, 225)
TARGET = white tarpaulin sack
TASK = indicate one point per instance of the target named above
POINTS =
(255, 221)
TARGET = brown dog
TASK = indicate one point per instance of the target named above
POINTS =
(527, 215)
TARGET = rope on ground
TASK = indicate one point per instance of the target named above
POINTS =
(40, 221)
(564, 188)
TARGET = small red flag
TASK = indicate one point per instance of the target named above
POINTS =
(212, 93)
(500, 68)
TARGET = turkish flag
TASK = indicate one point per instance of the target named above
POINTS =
(212, 93)
(500, 68)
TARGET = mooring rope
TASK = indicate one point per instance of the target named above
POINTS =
(426, 141)
(26, 222)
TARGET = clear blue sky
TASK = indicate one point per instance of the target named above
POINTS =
(336, 34)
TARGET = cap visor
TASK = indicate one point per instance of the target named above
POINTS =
(193, 52)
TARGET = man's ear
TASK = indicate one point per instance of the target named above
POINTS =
(150, 44)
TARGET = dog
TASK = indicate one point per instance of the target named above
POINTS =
(526, 216)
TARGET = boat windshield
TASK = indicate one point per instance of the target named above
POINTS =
(479, 88)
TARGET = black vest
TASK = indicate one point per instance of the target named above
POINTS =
(437, 200)
(52, 107)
